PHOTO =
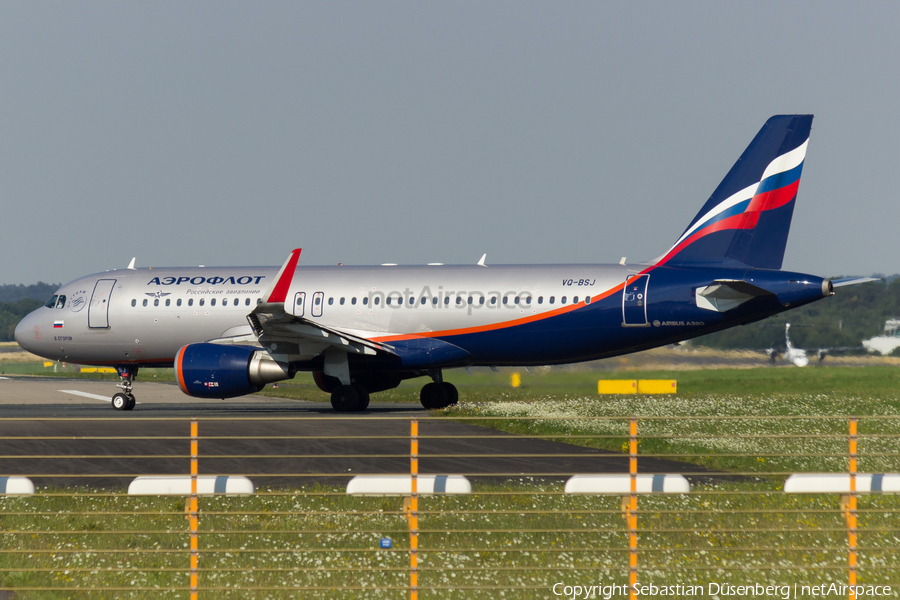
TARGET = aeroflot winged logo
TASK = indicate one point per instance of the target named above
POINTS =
(199, 280)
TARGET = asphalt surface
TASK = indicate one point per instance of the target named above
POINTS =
(55, 432)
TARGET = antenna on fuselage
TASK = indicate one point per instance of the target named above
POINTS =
(483, 258)
(131, 264)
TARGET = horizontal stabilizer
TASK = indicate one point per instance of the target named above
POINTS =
(724, 294)
(852, 281)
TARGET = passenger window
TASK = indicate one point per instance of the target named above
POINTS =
(459, 300)
(388, 300)
(481, 300)
(212, 302)
(202, 301)
(342, 301)
(366, 301)
(575, 300)
(412, 301)
(145, 302)
(423, 300)
(330, 301)
(318, 300)
(190, 301)
(540, 299)
(247, 302)
(353, 300)
(61, 302)
(134, 302)
(168, 302)
(259, 300)
(447, 300)
(178, 302)
(516, 300)
(224, 301)
(552, 299)
(562, 300)
(51, 303)
(434, 301)
(505, 300)
(469, 301)
(528, 300)
(494, 300)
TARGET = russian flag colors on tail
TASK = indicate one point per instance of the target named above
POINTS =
(747, 219)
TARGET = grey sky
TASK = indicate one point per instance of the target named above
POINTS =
(228, 133)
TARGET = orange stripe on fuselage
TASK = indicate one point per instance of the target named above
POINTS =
(495, 326)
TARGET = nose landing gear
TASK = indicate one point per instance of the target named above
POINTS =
(124, 400)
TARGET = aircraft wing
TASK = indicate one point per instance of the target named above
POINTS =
(288, 338)
(298, 338)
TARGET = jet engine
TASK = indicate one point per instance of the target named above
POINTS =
(217, 371)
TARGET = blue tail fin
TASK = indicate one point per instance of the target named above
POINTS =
(747, 219)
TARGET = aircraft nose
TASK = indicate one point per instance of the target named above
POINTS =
(24, 331)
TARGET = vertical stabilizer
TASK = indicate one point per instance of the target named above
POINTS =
(747, 219)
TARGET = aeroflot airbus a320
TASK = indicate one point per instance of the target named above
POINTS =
(229, 331)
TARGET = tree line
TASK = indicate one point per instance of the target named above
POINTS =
(853, 314)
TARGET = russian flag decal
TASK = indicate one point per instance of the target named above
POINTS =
(58, 324)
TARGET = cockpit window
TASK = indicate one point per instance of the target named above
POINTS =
(61, 302)
(51, 303)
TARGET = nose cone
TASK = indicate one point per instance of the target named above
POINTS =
(25, 332)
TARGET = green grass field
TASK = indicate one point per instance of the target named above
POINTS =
(516, 540)
(520, 539)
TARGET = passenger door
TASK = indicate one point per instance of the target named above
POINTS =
(634, 301)
(98, 311)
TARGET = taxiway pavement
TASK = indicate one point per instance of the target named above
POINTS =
(63, 432)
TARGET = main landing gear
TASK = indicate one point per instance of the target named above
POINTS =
(438, 393)
(350, 398)
(124, 400)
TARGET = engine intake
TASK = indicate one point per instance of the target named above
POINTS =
(216, 371)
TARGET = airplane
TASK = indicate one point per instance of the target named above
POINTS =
(791, 354)
(229, 331)
(799, 356)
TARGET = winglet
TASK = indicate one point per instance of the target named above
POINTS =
(131, 264)
(278, 291)
(481, 262)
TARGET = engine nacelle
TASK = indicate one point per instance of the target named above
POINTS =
(217, 371)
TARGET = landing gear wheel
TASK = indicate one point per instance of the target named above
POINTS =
(433, 396)
(131, 402)
(452, 394)
(120, 401)
(363, 397)
(345, 398)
